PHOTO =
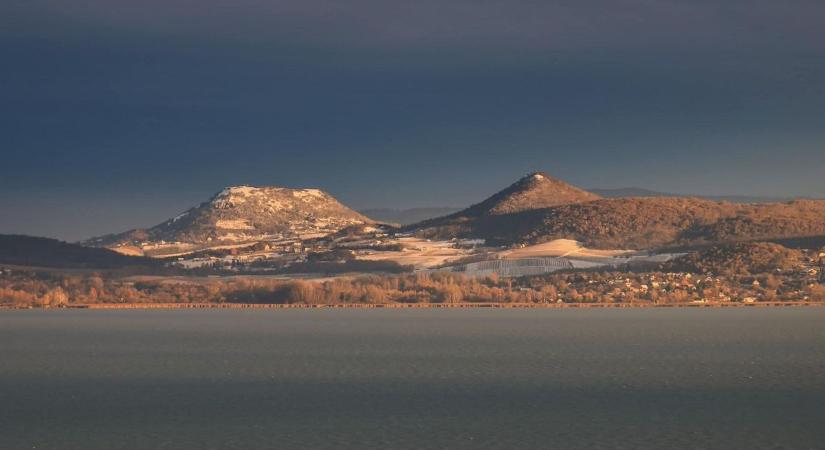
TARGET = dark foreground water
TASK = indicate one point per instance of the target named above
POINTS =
(665, 378)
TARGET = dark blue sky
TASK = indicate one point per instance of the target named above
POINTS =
(116, 114)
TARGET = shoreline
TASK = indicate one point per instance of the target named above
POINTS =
(774, 304)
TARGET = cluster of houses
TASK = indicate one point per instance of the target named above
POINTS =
(802, 284)
(281, 252)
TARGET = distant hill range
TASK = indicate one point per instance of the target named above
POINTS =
(43, 252)
(406, 216)
(538, 208)
(640, 192)
(247, 213)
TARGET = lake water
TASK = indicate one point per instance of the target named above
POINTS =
(373, 379)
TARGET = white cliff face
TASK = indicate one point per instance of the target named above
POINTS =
(234, 195)
(272, 198)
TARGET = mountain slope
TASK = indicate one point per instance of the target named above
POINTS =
(44, 252)
(246, 213)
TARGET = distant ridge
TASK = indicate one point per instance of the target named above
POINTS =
(406, 216)
(641, 192)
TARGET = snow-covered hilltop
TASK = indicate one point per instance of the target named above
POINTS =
(241, 214)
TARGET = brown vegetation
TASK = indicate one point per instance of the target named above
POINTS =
(739, 259)
(642, 223)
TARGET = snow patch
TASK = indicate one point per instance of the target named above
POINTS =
(234, 195)
(180, 216)
(242, 190)
(236, 190)
(234, 224)
(276, 205)
(308, 194)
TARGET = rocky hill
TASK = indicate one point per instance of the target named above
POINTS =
(534, 191)
(244, 214)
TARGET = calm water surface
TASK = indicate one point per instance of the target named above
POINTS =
(331, 379)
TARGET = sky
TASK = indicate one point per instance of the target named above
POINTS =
(119, 114)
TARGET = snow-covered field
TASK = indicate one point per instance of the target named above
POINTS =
(561, 248)
(234, 224)
(547, 257)
(420, 253)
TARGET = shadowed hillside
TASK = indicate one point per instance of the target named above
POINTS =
(44, 252)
